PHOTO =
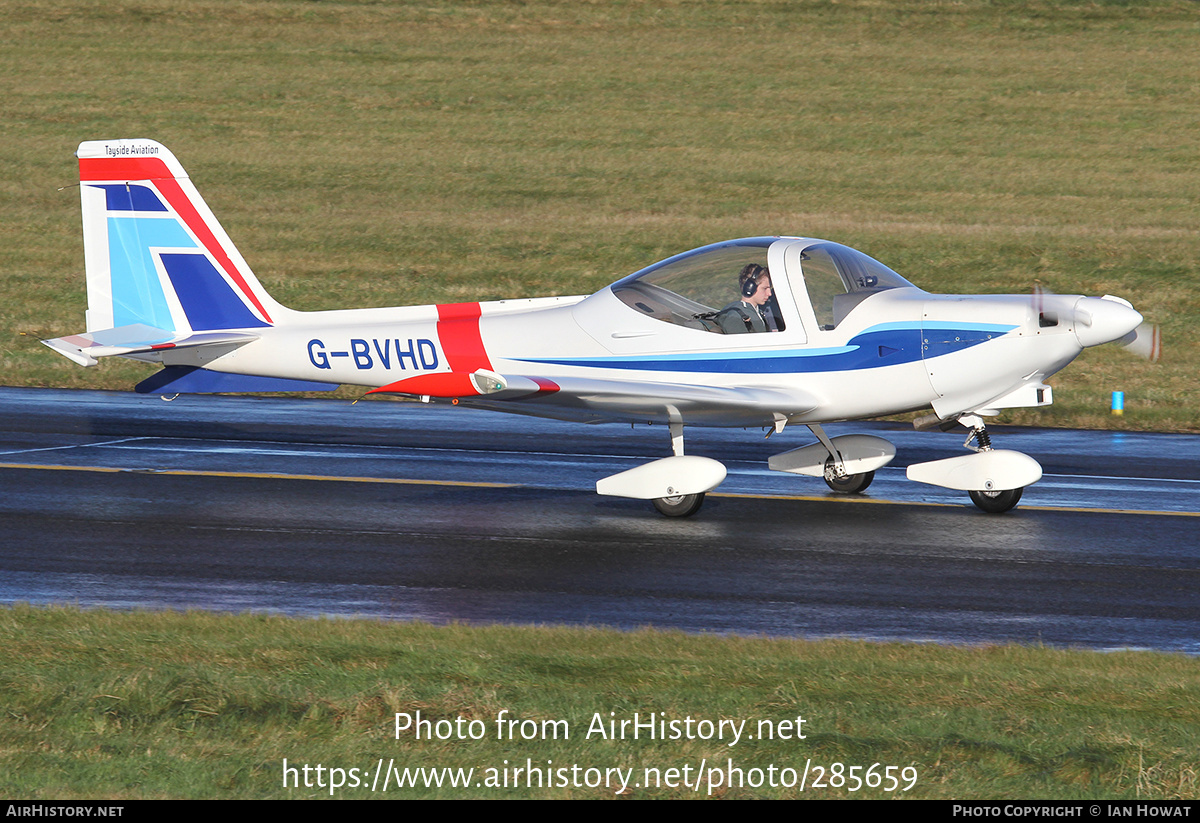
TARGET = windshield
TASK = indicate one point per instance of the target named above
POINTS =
(699, 288)
(838, 278)
(859, 272)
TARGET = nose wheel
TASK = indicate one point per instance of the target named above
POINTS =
(991, 501)
(996, 502)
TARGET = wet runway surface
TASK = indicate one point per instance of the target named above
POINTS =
(402, 511)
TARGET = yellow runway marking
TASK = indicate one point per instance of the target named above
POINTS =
(482, 485)
(261, 475)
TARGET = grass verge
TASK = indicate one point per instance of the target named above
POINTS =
(101, 704)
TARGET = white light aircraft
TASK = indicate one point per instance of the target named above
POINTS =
(757, 332)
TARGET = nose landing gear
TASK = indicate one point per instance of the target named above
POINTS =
(992, 501)
(995, 478)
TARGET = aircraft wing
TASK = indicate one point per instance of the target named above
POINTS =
(597, 400)
(85, 349)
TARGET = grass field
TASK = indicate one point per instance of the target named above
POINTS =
(385, 153)
(106, 705)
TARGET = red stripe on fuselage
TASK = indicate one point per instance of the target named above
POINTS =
(151, 168)
(458, 331)
(441, 384)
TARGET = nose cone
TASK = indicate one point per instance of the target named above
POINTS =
(1103, 319)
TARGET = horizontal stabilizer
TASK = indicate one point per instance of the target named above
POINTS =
(86, 349)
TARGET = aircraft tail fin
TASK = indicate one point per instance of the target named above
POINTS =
(155, 255)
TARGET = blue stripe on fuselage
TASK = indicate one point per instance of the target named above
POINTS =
(887, 344)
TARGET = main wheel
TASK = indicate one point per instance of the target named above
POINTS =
(681, 505)
(996, 502)
(851, 483)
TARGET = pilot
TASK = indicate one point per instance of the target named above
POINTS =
(749, 313)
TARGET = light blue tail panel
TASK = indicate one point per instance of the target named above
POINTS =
(137, 292)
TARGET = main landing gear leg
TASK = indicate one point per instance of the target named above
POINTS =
(992, 501)
(675, 484)
(678, 505)
(836, 477)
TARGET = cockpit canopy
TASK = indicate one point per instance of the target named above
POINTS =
(692, 288)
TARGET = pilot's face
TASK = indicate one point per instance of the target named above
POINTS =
(763, 294)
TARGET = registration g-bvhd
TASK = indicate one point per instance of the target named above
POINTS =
(759, 332)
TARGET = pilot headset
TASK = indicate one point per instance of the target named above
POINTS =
(750, 276)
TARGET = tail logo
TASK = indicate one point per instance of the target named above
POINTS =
(158, 250)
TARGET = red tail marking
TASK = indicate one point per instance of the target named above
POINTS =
(122, 168)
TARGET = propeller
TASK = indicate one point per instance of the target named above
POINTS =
(1100, 320)
(1145, 341)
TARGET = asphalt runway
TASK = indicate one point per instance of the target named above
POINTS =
(401, 511)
